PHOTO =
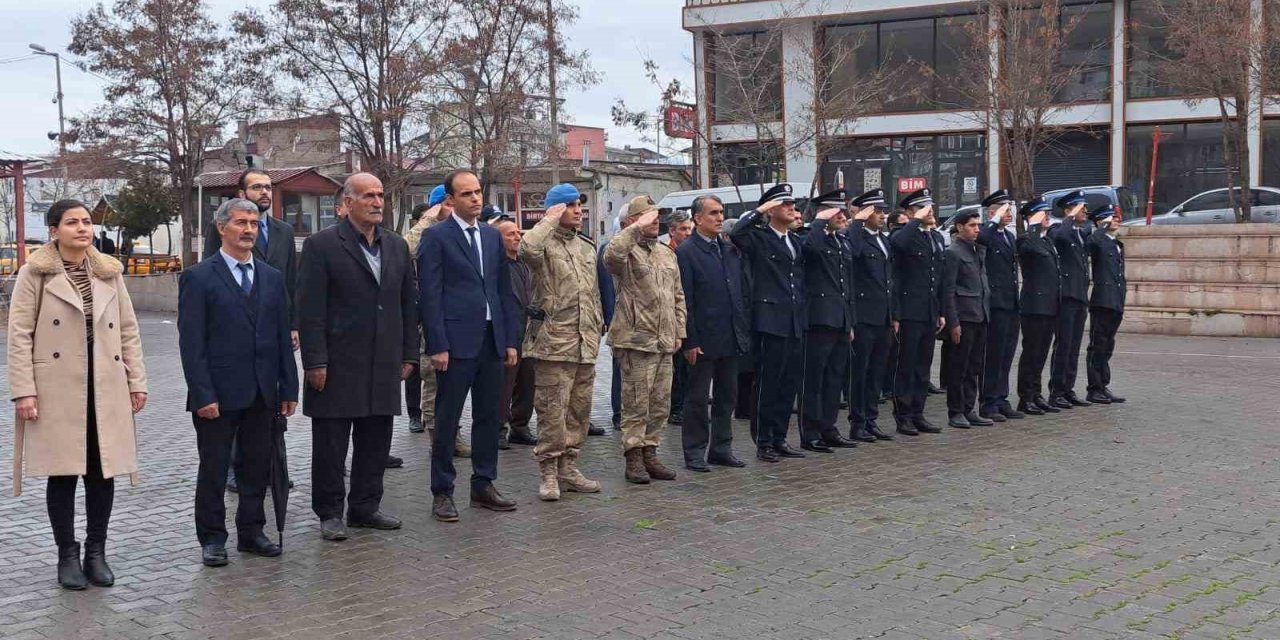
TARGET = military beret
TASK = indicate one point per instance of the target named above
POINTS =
(438, 194)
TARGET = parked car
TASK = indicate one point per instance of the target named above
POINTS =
(1119, 195)
(9, 255)
(1214, 207)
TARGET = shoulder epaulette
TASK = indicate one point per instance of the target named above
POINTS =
(587, 238)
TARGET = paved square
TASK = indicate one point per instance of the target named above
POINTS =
(1155, 518)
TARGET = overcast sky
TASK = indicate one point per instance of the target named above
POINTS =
(619, 36)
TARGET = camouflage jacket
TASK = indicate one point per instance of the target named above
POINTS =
(414, 235)
(650, 313)
(565, 322)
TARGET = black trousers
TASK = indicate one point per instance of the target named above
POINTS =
(915, 359)
(517, 395)
(413, 394)
(248, 431)
(826, 365)
(890, 377)
(1066, 346)
(1037, 335)
(945, 352)
(866, 376)
(1002, 343)
(1103, 325)
(370, 437)
(679, 383)
(964, 374)
(708, 376)
(483, 378)
(778, 372)
(99, 492)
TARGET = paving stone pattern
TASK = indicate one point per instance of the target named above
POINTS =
(1156, 518)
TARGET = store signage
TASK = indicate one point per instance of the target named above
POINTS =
(681, 120)
(907, 185)
(970, 186)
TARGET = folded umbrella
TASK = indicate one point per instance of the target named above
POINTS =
(279, 473)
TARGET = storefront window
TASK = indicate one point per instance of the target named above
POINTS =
(746, 77)
(905, 47)
(1148, 50)
(1271, 153)
(746, 163)
(1086, 49)
(1190, 162)
(953, 166)
(327, 216)
(955, 39)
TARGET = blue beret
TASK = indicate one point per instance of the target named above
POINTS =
(437, 196)
(563, 193)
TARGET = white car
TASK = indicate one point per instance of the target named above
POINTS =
(1214, 207)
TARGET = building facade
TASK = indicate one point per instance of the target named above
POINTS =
(921, 134)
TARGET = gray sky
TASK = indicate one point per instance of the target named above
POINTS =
(619, 35)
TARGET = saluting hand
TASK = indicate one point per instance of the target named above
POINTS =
(827, 214)
(647, 219)
(923, 212)
(555, 211)
(864, 213)
(769, 206)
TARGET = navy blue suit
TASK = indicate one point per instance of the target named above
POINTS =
(832, 314)
(455, 287)
(1073, 264)
(236, 352)
(1002, 334)
(872, 287)
(917, 276)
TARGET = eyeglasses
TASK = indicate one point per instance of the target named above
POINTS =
(259, 187)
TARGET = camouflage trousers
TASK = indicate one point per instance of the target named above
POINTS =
(646, 396)
(562, 400)
(428, 376)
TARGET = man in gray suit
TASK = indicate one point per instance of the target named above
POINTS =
(966, 305)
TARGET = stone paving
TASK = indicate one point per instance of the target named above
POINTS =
(1155, 518)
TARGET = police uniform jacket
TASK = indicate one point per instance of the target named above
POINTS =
(1073, 260)
(917, 274)
(828, 278)
(872, 275)
(1107, 255)
(715, 298)
(1002, 265)
(1041, 285)
(966, 294)
(777, 279)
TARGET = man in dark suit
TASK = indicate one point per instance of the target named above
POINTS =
(1073, 261)
(718, 335)
(828, 287)
(358, 324)
(469, 318)
(872, 284)
(1106, 304)
(1002, 332)
(776, 265)
(917, 276)
(1038, 305)
(237, 357)
(966, 305)
(944, 351)
(516, 405)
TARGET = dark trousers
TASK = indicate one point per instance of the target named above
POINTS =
(870, 352)
(965, 367)
(482, 376)
(516, 403)
(370, 437)
(248, 431)
(1066, 346)
(99, 492)
(826, 365)
(944, 364)
(707, 375)
(615, 393)
(1037, 335)
(915, 358)
(1002, 343)
(413, 394)
(1103, 325)
(778, 372)
(890, 377)
(679, 383)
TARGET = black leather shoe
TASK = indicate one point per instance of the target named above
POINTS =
(1114, 398)
(979, 421)
(1060, 402)
(1029, 409)
(816, 446)
(874, 429)
(675, 418)
(489, 498)
(726, 462)
(861, 434)
(378, 520)
(936, 390)
(333, 529)
(415, 425)
(232, 485)
(70, 575)
(766, 454)
(594, 429)
(394, 462)
(906, 428)
(213, 555)
(785, 451)
(1011, 413)
(1075, 399)
(924, 426)
(837, 441)
(958, 421)
(1045, 406)
(521, 436)
(697, 466)
(95, 565)
(259, 545)
(993, 416)
(442, 508)
(1097, 398)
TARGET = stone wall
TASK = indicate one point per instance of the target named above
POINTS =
(1203, 280)
(153, 293)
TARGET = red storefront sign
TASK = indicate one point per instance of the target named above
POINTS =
(681, 120)
(907, 185)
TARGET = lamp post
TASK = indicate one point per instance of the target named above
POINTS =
(57, 65)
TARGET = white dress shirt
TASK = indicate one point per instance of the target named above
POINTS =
(479, 252)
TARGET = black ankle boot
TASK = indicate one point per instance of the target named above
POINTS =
(69, 574)
(95, 564)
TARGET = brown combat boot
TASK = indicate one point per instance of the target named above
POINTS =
(655, 468)
(549, 490)
(635, 467)
(462, 449)
(572, 478)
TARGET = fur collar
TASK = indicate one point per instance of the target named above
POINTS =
(46, 262)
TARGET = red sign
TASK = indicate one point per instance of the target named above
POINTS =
(681, 120)
(907, 185)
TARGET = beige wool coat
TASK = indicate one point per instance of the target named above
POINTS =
(47, 359)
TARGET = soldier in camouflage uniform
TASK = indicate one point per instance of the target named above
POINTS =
(563, 338)
(648, 327)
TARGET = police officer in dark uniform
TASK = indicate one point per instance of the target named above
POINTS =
(1002, 332)
(1106, 304)
(1038, 305)
(776, 270)
(1073, 261)
(828, 288)
(966, 305)
(872, 287)
(917, 276)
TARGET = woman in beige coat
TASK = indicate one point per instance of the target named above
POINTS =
(75, 411)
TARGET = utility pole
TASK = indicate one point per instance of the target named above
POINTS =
(554, 149)
(57, 66)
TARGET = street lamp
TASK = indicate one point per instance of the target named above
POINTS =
(57, 65)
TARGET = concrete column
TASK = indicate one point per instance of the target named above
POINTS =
(994, 177)
(1118, 92)
(798, 47)
(1255, 108)
(703, 100)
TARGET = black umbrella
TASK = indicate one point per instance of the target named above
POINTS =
(279, 474)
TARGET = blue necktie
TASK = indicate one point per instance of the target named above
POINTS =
(245, 283)
(262, 235)
(471, 238)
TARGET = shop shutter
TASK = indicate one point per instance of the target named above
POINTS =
(1075, 160)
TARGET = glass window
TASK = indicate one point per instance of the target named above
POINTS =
(1148, 49)
(953, 166)
(1271, 153)
(746, 163)
(850, 54)
(746, 77)
(1266, 198)
(955, 37)
(1190, 162)
(1087, 48)
(1215, 200)
(327, 216)
(906, 47)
